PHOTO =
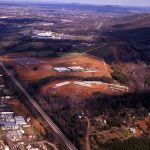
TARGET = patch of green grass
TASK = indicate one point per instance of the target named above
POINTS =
(120, 76)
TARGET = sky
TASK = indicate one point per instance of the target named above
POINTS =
(98, 2)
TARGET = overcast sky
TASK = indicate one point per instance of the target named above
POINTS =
(99, 2)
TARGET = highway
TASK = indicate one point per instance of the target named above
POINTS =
(58, 132)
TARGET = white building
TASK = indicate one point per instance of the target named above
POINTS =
(61, 69)
(132, 130)
(20, 120)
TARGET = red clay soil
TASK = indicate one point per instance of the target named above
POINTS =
(73, 90)
(45, 69)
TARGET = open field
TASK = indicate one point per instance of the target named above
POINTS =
(80, 89)
(32, 69)
(72, 90)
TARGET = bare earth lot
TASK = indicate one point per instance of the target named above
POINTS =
(73, 90)
(43, 67)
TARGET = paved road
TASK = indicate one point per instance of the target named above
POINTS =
(46, 142)
(52, 145)
(99, 26)
(88, 51)
(88, 134)
(68, 144)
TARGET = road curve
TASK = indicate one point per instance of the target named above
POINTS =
(58, 132)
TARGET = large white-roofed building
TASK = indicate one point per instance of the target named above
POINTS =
(61, 69)
(20, 120)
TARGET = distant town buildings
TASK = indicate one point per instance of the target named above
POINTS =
(41, 34)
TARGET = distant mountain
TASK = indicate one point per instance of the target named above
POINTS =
(88, 7)
(105, 8)
(134, 32)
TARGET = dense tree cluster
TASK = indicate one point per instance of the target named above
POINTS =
(131, 144)
(100, 103)
(62, 113)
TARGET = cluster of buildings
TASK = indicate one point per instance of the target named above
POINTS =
(8, 121)
(12, 126)
(16, 131)
(41, 34)
(37, 147)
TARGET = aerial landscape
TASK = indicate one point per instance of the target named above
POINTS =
(74, 75)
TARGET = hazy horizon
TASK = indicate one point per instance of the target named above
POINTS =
(95, 2)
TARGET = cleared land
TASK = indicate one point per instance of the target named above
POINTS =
(32, 69)
(80, 89)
